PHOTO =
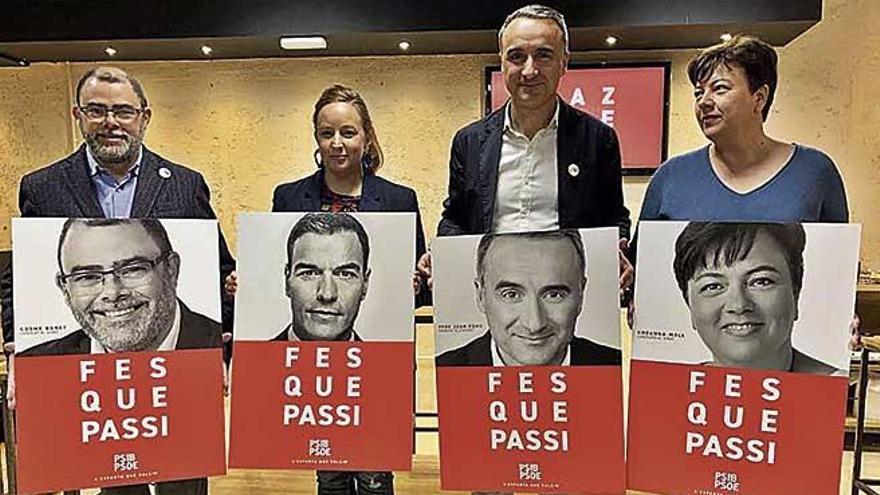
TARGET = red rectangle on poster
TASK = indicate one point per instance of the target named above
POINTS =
(630, 99)
(118, 419)
(723, 431)
(339, 406)
(531, 429)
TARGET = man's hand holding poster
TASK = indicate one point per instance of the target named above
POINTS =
(740, 357)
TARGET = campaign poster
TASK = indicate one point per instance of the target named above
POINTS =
(322, 373)
(740, 357)
(529, 362)
(118, 365)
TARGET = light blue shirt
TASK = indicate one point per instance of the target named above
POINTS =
(114, 197)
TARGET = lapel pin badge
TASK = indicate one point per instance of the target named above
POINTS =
(573, 170)
(165, 173)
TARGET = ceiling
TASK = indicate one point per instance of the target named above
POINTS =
(80, 30)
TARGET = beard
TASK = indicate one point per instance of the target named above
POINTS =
(123, 152)
(148, 322)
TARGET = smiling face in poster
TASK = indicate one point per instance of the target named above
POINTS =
(119, 279)
(327, 275)
(742, 283)
(531, 291)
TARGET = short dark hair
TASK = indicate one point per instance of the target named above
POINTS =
(572, 235)
(324, 223)
(756, 58)
(154, 228)
(704, 243)
(112, 75)
(537, 11)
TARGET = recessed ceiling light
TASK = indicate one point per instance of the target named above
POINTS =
(404, 45)
(110, 51)
(304, 43)
(206, 50)
(611, 40)
(726, 37)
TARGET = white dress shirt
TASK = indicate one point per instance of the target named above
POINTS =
(526, 198)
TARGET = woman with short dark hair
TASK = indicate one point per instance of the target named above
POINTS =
(743, 174)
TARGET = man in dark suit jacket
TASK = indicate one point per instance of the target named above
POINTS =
(534, 141)
(113, 174)
(536, 163)
(530, 286)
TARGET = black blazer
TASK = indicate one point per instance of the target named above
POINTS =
(65, 189)
(377, 195)
(196, 332)
(478, 352)
(592, 198)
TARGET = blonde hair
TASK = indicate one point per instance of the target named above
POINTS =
(343, 94)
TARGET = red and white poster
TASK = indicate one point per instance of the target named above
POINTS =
(740, 357)
(322, 374)
(629, 99)
(528, 362)
(118, 366)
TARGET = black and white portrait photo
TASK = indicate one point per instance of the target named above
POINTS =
(767, 296)
(325, 277)
(115, 285)
(529, 301)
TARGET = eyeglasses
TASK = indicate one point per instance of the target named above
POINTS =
(130, 275)
(123, 114)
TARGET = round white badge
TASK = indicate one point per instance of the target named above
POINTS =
(573, 170)
(165, 173)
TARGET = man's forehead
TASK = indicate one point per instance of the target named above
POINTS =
(105, 244)
(119, 91)
(522, 256)
(342, 246)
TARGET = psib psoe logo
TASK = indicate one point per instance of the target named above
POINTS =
(529, 472)
(727, 481)
(125, 462)
(319, 448)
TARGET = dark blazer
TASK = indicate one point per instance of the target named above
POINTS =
(478, 352)
(377, 195)
(282, 337)
(196, 332)
(65, 189)
(592, 198)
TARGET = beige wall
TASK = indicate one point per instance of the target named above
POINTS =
(246, 124)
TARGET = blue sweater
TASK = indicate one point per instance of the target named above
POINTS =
(807, 189)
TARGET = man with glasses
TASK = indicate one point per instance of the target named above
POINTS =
(119, 279)
(112, 175)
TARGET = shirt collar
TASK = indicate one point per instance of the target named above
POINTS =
(497, 361)
(508, 122)
(95, 167)
(169, 344)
